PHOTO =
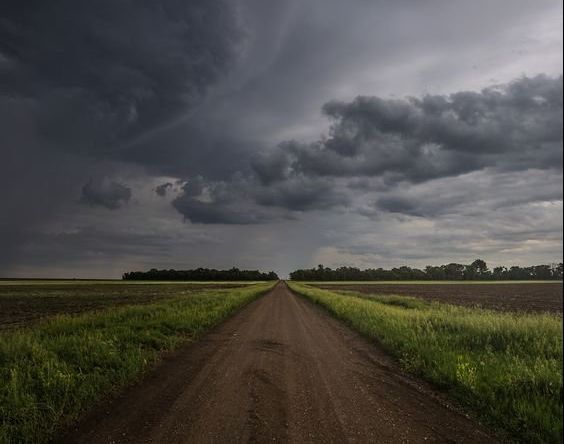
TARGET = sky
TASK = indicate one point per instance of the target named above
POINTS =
(278, 135)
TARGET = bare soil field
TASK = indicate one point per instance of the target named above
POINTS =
(280, 370)
(23, 303)
(529, 297)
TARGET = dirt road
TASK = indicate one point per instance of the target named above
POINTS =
(281, 370)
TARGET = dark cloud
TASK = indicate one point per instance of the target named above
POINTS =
(399, 204)
(218, 202)
(245, 200)
(301, 194)
(273, 166)
(155, 91)
(81, 83)
(510, 127)
(163, 188)
(105, 193)
(476, 194)
(100, 73)
(98, 252)
(98, 244)
(232, 213)
(514, 126)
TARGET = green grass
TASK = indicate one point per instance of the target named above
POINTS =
(52, 372)
(88, 282)
(426, 282)
(505, 367)
(23, 304)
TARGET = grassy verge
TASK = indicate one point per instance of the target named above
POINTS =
(89, 282)
(376, 283)
(54, 371)
(506, 367)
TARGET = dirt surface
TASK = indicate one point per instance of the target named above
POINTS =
(23, 304)
(281, 370)
(530, 297)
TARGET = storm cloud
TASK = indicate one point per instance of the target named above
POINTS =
(243, 200)
(101, 73)
(81, 83)
(163, 188)
(221, 133)
(515, 126)
(479, 193)
(106, 193)
(217, 203)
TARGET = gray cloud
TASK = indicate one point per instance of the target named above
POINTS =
(218, 202)
(244, 200)
(399, 204)
(475, 227)
(511, 127)
(163, 188)
(151, 92)
(274, 166)
(100, 73)
(475, 194)
(217, 213)
(301, 193)
(82, 83)
(98, 252)
(105, 193)
(514, 126)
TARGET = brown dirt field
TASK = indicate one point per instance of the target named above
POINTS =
(529, 297)
(22, 304)
(280, 370)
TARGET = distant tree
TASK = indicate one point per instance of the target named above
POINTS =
(542, 272)
(499, 273)
(481, 267)
(454, 272)
(200, 274)
(477, 270)
(557, 271)
(435, 273)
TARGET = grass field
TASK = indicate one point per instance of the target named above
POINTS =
(88, 282)
(26, 302)
(429, 282)
(505, 367)
(54, 370)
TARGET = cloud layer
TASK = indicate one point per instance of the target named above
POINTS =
(105, 193)
(249, 133)
(101, 73)
(515, 126)
(82, 83)
(511, 127)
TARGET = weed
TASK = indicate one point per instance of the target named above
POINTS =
(506, 367)
(56, 369)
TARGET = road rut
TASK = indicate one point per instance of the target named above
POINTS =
(280, 370)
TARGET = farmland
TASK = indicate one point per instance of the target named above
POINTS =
(24, 302)
(291, 363)
(502, 296)
(55, 369)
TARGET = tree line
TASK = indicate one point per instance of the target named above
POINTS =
(200, 274)
(477, 270)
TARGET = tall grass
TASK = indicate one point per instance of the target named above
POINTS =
(506, 367)
(52, 372)
(477, 282)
